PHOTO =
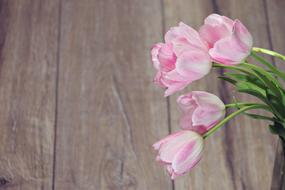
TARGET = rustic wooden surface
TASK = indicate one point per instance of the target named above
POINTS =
(79, 110)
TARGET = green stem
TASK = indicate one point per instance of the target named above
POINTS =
(231, 67)
(268, 52)
(231, 116)
(238, 104)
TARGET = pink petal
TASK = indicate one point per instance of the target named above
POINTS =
(188, 156)
(186, 102)
(187, 105)
(208, 101)
(170, 80)
(157, 145)
(233, 49)
(154, 55)
(215, 28)
(186, 122)
(243, 34)
(188, 33)
(215, 19)
(169, 148)
(173, 76)
(204, 119)
(174, 82)
(193, 65)
(158, 79)
(166, 58)
(181, 45)
(175, 88)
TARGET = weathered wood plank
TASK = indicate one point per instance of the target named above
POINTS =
(109, 111)
(276, 23)
(234, 154)
(278, 177)
(28, 44)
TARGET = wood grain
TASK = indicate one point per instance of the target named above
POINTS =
(109, 112)
(28, 45)
(278, 177)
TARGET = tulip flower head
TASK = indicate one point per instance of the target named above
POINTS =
(201, 111)
(180, 152)
(230, 42)
(182, 59)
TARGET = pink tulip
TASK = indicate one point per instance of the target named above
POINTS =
(229, 41)
(182, 59)
(179, 152)
(201, 111)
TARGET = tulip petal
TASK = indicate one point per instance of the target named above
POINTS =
(187, 105)
(158, 144)
(193, 65)
(171, 76)
(181, 45)
(208, 101)
(186, 120)
(174, 82)
(158, 79)
(209, 111)
(154, 55)
(168, 149)
(215, 28)
(188, 33)
(175, 88)
(205, 120)
(215, 20)
(186, 102)
(188, 156)
(166, 57)
(243, 34)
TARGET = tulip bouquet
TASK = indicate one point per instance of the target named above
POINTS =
(188, 55)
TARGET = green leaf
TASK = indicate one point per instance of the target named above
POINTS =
(272, 68)
(227, 79)
(276, 104)
(267, 78)
(245, 77)
(252, 89)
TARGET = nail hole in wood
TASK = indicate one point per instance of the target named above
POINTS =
(3, 181)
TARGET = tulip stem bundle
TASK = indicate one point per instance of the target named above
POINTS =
(188, 55)
(237, 105)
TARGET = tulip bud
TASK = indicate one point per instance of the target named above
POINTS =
(182, 59)
(179, 152)
(201, 111)
(230, 42)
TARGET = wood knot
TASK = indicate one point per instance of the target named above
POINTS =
(3, 181)
(117, 176)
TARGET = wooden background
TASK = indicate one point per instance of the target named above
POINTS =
(78, 110)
